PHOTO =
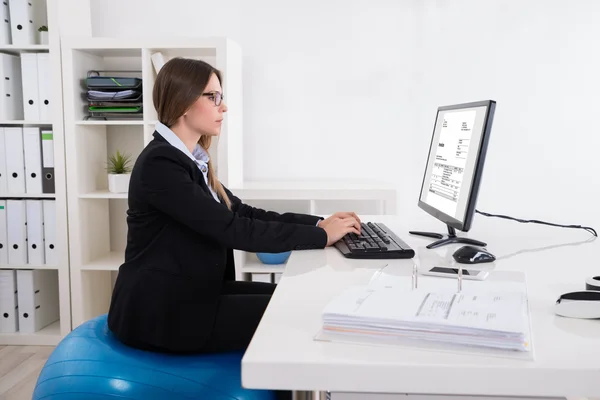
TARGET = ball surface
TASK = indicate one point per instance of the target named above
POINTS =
(90, 363)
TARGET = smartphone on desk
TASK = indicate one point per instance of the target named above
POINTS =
(448, 272)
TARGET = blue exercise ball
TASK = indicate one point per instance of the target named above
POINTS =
(274, 258)
(91, 364)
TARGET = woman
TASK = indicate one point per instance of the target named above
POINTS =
(176, 291)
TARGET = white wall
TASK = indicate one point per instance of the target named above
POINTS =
(356, 83)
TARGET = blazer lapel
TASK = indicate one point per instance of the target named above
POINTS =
(197, 175)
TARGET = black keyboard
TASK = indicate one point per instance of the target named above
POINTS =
(376, 241)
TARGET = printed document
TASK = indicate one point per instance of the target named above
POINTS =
(476, 317)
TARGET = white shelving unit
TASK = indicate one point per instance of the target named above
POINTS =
(47, 13)
(97, 217)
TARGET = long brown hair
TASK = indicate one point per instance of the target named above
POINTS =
(178, 85)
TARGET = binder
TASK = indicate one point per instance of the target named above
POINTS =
(49, 218)
(3, 172)
(15, 159)
(21, 21)
(33, 160)
(5, 35)
(11, 88)
(35, 232)
(48, 185)
(37, 296)
(16, 217)
(3, 234)
(30, 100)
(44, 79)
(158, 60)
(9, 310)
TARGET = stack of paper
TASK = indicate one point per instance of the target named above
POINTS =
(472, 317)
(100, 95)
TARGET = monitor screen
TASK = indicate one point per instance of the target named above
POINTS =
(455, 155)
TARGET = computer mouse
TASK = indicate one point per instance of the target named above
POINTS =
(582, 304)
(472, 255)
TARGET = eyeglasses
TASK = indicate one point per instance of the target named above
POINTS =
(216, 97)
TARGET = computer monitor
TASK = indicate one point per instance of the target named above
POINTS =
(454, 168)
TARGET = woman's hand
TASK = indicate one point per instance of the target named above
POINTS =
(338, 227)
(323, 223)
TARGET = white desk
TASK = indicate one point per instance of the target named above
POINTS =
(284, 355)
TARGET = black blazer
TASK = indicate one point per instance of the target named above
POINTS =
(179, 250)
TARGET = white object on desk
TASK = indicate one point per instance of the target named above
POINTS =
(581, 304)
(457, 273)
(489, 318)
(284, 355)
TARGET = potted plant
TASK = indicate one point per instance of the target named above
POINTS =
(43, 30)
(119, 172)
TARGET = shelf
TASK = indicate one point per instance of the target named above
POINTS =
(25, 123)
(109, 262)
(103, 194)
(48, 336)
(17, 49)
(313, 190)
(111, 122)
(180, 46)
(95, 144)
(259, 268)
(253, 265)
(27, 195)
(30, 266)
(109, 51)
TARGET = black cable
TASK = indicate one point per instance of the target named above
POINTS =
(585, 228)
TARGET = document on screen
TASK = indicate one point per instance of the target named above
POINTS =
(450, 161)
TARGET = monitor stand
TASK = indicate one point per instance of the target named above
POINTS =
(452, 238)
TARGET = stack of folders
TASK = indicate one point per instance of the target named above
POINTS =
(26, 90)
(37, 87)
(475, 317)
(29, 300)
(28, 232)
(26, 161)
(27, 226)
(113, 97)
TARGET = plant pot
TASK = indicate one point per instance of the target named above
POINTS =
(44, 37)
(118, 183)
